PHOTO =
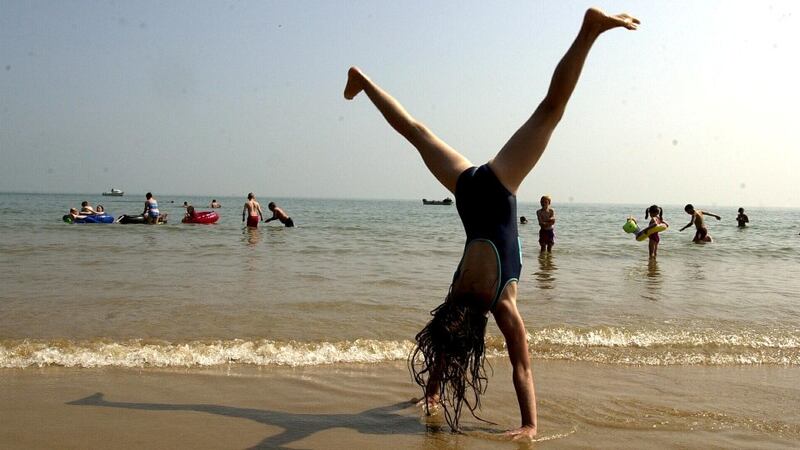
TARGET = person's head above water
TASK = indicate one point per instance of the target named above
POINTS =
(100, 209)
(653, 211)
(452, 346)
(689, 208)
(84, 204)
(271, 206)
(741, 210)
(250, 196)
(148, 196)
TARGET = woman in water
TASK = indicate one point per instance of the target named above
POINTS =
(448, 359)
(150, 212)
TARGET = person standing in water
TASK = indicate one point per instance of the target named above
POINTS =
(151, 213)
(447, 361)
(252, 211)
(701, 235)
(656, 215)
(741, 219)
(547, 220)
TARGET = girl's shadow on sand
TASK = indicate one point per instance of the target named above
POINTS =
(377, 421)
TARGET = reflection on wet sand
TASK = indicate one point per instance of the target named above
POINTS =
(545, 276)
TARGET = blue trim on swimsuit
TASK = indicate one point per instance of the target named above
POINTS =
(152, 209)
(488, 212)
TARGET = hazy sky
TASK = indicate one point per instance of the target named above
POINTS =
(221, 98)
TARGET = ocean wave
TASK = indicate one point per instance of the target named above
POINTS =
(607, 345)
(139, 353)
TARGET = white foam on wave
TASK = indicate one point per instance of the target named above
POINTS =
(650, 338)
(608, 345)
(136, 353)
(667, 346)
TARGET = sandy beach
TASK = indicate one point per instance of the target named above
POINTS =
(369, 406)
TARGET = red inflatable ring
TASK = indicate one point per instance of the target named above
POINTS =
(201, 217)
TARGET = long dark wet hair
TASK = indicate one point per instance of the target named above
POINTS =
(450, 350)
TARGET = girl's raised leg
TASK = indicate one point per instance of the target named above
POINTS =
(516, 159)
(443, 161)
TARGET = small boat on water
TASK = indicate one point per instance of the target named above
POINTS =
(113, 193)
(446, 201)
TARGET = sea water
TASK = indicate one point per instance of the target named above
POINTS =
(356, 279)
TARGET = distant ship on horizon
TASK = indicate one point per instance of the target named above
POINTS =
(113, 193)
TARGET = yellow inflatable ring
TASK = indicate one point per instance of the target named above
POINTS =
(651, 230)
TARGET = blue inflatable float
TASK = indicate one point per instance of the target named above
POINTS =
(98, 218)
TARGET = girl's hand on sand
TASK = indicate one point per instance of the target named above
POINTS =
(522, 434)
(429, 405)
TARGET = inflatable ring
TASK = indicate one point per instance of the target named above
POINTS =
(126, 219)
(99, 218)
(205, 217)
(647, 232)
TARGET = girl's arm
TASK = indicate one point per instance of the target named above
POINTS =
(513, 328)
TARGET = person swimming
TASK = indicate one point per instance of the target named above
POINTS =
(447, 361)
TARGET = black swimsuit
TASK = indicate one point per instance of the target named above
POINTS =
(488, 212)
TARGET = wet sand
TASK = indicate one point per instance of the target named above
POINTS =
(369, 406)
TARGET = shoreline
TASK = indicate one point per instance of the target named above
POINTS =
(370, 405)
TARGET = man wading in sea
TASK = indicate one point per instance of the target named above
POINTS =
(252, 211)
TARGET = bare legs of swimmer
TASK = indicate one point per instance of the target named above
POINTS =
(514, 161)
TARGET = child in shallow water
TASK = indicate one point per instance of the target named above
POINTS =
(449, 355)
(656, 215)
(547, 220)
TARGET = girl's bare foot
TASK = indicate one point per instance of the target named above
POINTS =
(601, 21)
(354, 83)
(522, 433)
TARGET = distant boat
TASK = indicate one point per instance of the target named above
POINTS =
(113, 193)
(447, 201)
